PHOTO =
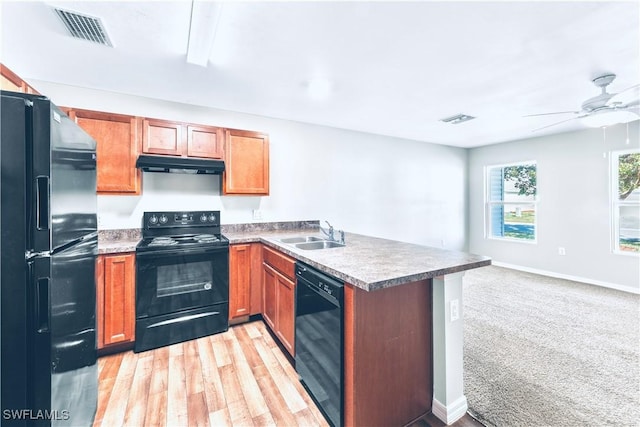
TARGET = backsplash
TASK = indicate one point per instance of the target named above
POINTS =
(270, 226)
(120, 234)
(134, 234)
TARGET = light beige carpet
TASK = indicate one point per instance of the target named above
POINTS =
(540, 351)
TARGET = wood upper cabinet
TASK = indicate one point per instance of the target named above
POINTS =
(10, 81)
(205, 141)
(279, 296)
(162, 137)
(246, 163)
(245, 280)
(116, 299)
(178, 139)
(118, 146)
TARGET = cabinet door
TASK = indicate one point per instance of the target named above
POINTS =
(118, 139)
(246, 163)
(256, 278)
(119, 298)
(269, 302)
(10, 81)
(162, 137)
(204, 141)
(285, 321)
(239, 280)
(100, 301)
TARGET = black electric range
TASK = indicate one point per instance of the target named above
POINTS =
(182, 278)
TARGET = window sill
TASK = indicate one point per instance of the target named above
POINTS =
(507, 239)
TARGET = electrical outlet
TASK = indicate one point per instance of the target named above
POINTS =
(257, 214)
(454, 309)
(561, 251)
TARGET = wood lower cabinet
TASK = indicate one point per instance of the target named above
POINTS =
(179, 139)
(279, 296)
(116, 316)
(118, 145)
(269, 295)
(285, 312)
(388, 378)
(245, 278)
(246, 163)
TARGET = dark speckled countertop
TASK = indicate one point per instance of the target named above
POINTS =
(366, 262)
(118, 241)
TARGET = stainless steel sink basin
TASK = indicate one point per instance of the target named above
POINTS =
(301, 239)
(322, 244)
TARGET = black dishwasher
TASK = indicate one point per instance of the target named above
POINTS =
(319, 339)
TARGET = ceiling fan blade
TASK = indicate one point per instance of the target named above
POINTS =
(556, 123)
(626, 97)
(549, 114)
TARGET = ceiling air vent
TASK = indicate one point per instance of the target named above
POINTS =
(84, 27)
(458, 118)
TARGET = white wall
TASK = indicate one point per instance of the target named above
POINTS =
(573, 211)
(382, 186)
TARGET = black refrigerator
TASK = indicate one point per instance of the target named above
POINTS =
(48, 248)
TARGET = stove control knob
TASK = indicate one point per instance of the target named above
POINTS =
(163, 219)
(212, 217)
(153, 220)
(203, 218)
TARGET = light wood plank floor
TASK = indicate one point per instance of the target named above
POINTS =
(237, 378)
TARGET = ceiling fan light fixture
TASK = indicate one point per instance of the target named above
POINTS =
(608, 118)
(202, 31)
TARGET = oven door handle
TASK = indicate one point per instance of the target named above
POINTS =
(174, 252)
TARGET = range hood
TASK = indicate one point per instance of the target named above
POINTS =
(179, 165)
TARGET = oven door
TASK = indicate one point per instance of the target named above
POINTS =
(169, 281)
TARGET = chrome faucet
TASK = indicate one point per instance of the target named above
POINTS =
(329, 233)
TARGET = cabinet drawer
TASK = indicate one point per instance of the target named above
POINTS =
(279, 261)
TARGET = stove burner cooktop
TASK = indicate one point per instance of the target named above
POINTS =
(163, 241)
(182, 241)
(177, 230)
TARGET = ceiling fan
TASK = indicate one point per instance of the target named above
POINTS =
(605, 109)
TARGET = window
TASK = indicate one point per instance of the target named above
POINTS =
(626, 201)
(511, 201)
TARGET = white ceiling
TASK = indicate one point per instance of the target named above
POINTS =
(395, 68)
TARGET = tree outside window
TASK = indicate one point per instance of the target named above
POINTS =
(626, 201)
(511, 201)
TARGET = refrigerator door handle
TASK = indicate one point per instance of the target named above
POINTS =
(42, 202)
(42, 304)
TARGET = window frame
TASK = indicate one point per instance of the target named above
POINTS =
(615, 202)
(488, 204)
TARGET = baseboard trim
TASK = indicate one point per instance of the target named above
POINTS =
(567, 277)
(452, 413)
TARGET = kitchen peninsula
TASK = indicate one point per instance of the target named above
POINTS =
(402, 352)
(402, 344)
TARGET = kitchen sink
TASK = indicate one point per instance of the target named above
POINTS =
(303, 239)
(321, 244)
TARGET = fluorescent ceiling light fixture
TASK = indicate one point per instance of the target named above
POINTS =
(608, 118)
(202, 32)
